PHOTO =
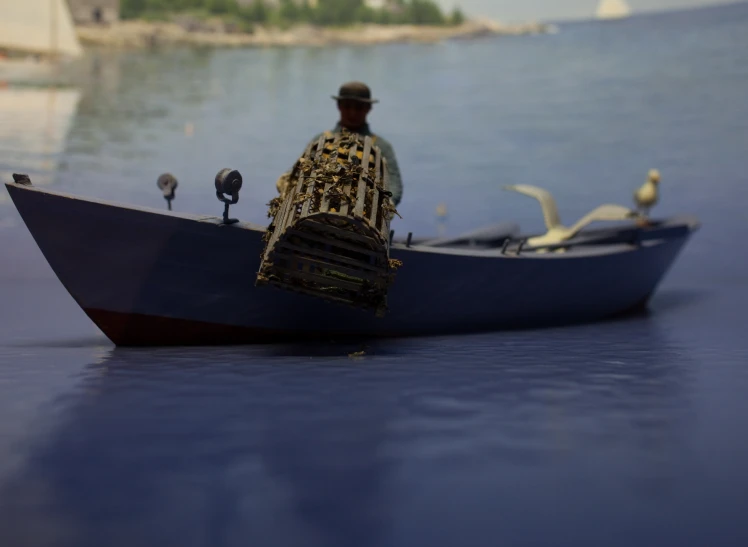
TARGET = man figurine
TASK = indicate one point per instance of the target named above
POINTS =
(354, 103)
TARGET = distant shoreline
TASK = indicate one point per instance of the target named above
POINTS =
(138, 34)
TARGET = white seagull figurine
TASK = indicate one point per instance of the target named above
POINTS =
(557, 232)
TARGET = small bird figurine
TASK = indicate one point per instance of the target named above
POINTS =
(646, 196)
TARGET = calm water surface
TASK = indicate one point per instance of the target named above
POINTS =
(624, 433)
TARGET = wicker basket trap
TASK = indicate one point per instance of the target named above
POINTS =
(329, 236)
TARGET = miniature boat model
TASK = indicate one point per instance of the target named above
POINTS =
(155, 277)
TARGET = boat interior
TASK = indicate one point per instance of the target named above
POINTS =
(508, 237)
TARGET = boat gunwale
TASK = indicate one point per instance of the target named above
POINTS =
(577, 247)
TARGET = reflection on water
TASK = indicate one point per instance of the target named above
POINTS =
(261, 446)
(34, 125)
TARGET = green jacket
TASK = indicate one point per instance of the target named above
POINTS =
(395, 182)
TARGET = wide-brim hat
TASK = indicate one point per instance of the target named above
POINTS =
(355, 91)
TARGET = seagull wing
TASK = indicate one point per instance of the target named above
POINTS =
(547, 203)
(603, 212)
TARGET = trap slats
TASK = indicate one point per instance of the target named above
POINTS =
(307, 263)
(324, 282)
(305, 209)
(320, 148)
(344, 202)
(376, 197)
(337, 243)
(332, 159)
(358, 210)
(340, 233)
(329, 256)
(379, 167)
(325, 205)
(361, 186)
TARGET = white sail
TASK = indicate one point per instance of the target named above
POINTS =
(612, 9)
(38, 26)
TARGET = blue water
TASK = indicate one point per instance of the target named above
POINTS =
(624, 433)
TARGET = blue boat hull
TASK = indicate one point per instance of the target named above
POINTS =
(150, 277)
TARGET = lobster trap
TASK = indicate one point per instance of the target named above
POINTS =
(329, 236)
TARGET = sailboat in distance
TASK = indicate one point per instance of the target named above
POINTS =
(36, 36)
(612, 9)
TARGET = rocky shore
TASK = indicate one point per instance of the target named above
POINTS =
(143, 34)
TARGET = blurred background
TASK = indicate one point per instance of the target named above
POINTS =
(611, 434)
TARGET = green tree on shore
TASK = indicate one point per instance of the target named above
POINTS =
(221, 7)
(456, 17)
(258, 12)
(424, 12)
(325, 13)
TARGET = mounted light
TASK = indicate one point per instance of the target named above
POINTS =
(228, 183)
(167, 183)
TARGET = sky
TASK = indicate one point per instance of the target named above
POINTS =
(526, 10)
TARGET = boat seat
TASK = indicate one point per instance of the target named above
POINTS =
(491, 235)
